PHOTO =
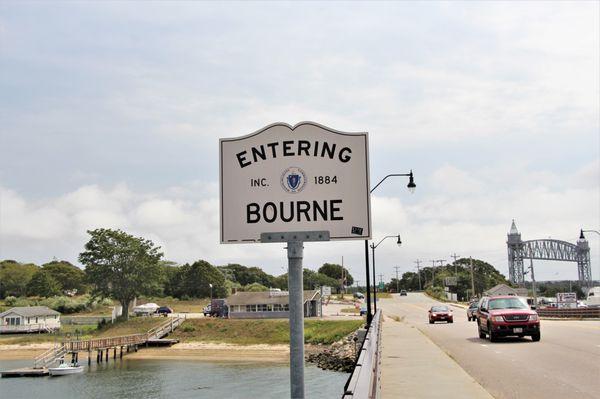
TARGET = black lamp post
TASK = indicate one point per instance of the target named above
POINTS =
(411, 187)
(373, 246)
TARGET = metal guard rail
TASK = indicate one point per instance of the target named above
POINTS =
(364, 382)
(582, 313)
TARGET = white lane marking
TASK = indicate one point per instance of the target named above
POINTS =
(498, 352)
(484, 345)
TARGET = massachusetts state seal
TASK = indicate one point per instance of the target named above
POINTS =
(293, 179)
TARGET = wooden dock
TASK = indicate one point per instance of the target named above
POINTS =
(102, 347)
(25, 372)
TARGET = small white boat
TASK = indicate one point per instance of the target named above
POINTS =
(65, 368)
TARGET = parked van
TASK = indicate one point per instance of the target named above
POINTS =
(593, 297)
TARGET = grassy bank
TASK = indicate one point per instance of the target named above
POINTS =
(87, 331)
(255, 332)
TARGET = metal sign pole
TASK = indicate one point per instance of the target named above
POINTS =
(295, 249)
(295, 287)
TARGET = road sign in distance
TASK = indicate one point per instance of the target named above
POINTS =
(450, 281)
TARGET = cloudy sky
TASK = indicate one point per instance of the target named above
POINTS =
(111, 114)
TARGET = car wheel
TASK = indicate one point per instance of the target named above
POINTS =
(493, 337)
(430, 321)
(536, 337)
(450, 321)
(481, 333)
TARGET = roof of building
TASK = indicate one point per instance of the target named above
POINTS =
(267, 297)
(30, 311)
(503, 289)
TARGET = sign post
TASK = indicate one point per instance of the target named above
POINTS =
(293, 185)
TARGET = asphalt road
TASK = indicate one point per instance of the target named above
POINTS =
(564, 364)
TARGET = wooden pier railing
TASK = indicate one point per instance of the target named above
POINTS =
(88, 345)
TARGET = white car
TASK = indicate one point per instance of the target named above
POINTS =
(145, 309)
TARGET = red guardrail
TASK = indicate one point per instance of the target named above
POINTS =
(578, 313)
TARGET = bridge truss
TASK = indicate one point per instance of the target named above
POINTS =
(547, 249)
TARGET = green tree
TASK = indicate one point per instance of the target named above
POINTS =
(311, 280)
(336, 271)
(14, 277)
(193, 281)
(121, 266)
(69, 276)
(255, 287)
(168, 274)
(247, 275)
(43, 284)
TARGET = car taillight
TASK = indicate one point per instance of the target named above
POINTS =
(533, 317)
(498, 318)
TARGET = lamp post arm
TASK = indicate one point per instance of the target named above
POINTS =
(380, 241)
(392, 175)
(591, 231)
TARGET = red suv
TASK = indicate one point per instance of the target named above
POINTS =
(501, 316)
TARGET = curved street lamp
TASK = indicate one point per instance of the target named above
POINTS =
(373, 246)
(411, 188)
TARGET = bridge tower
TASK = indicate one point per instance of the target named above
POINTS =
(583, 259)
(516, 271)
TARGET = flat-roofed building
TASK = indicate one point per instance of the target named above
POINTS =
(29, 319)
(270, 304)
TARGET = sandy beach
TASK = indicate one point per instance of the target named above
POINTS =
(213, 352)
(29, 351)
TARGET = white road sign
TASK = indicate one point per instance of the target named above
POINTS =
(302, 178)
(566, 297)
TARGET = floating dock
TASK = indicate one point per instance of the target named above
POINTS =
(25, 372)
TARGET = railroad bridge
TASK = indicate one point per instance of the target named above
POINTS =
(547, 249)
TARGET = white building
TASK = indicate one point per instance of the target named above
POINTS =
(270, 304)
(29, 319)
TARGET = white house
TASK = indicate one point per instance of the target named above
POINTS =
(29, 319)
(270, 304)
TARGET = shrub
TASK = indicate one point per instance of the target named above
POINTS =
(10, 301)
(188, 328)
(436, 292)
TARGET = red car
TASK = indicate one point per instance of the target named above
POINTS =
(440, 313)
(501, 316)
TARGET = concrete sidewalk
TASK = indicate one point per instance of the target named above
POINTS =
(414, 367)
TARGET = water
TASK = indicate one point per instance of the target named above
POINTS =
(173, 379)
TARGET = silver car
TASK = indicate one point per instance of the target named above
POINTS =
(472, 311)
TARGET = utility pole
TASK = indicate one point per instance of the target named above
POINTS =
(397, 282)
(343, 277)
(418, 262)
(533, 283)
(441, 262)
(380, 278)
(432, 272)
(455, 256)
(472, 277)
